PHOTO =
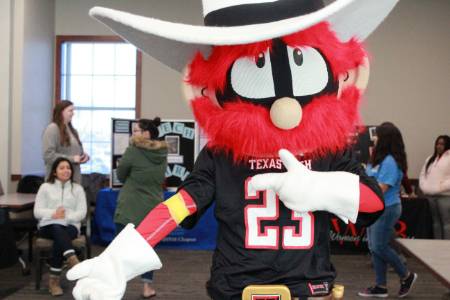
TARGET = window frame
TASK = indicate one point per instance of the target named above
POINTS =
(60, 39)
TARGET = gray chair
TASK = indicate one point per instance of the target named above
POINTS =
(91, 183)
(24, 221)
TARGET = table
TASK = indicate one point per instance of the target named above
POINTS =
(433, 254)
(415, 222)
(201, 237)
(17, 201)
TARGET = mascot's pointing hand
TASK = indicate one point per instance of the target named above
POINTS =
(303, 190)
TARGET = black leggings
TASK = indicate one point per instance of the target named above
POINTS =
(62, 237)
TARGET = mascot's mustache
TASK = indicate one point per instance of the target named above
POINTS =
(245, 129)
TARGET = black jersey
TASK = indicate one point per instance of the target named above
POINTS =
(260, 241)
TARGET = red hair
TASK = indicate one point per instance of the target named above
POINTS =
(245, 129)
(212, 73)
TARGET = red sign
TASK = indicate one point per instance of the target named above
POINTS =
(266, 297)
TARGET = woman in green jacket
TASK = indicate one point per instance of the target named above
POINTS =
(141, 170)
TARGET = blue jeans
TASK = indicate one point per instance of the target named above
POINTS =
(146, 277)
(379, 235)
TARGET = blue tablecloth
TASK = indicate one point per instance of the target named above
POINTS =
(415, 222)
(201, 237)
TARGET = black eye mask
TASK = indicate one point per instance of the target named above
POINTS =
(301, 73)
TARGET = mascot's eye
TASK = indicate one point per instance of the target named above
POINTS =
(252, 77)
(309, 71)
(298, 56)
(260, 60)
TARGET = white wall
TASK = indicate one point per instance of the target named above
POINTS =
(408, 85)
(16, 86)
(32, 82)
(410, 76)
(161, 94)
(37, 81)
(410, 66)
(5, 99)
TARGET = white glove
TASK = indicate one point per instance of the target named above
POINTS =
(303, 190)
(105, 277)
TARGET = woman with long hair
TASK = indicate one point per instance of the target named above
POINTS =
(142, 170)
(61, 139)
(59, 208)
(387, 165)
(434, 181)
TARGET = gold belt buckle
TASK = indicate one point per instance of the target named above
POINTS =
(266, 292)
(282, 292)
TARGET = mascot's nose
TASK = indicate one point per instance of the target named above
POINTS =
(286, 113)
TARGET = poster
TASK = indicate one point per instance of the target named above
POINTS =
(181, 137)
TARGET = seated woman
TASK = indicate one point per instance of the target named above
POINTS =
(434, 181)
(60, 206)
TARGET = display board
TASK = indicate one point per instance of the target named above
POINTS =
(122, 129)
(181, 138)
(183, 146)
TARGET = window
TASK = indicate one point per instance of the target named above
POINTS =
(101, 76)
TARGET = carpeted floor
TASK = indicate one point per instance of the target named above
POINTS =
(185, 273)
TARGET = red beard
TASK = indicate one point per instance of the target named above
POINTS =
(245, 130)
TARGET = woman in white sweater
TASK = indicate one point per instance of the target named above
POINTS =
(60, 207)
(434, 181)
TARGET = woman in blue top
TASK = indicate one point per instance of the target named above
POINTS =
(387, 165)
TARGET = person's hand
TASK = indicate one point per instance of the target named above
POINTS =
(60, 213)
(76, 159)
(303, 190)
(84, 158)
(105, 276)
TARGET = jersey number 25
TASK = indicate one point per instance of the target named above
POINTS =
(255, 238)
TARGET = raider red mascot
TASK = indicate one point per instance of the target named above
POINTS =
(276, 86)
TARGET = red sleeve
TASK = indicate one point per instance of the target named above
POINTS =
(159, 223)
(369, 202)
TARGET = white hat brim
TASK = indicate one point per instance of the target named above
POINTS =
(174, 44)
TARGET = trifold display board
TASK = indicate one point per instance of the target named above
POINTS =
(182, 137)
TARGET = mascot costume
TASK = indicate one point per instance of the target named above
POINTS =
(276, 87)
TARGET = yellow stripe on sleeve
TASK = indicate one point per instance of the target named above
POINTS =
(177, 208)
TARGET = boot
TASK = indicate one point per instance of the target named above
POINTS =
(53, 285)
(72, 261)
